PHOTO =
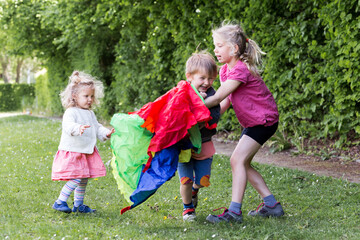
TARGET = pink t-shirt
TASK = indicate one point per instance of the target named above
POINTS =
(252, 101)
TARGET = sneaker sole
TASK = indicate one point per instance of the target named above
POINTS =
(189, 218)
(215, 219)
(265, 215)
(63, 211)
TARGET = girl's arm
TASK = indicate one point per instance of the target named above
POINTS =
(82, 128)
(102, 133)
(110, 133)
(224, 105)
(69, 124)
(222, 93)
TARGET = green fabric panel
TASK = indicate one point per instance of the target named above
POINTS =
(129, 145)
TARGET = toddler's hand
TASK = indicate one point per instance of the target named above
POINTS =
(111, 132)
(82, 128)
(203, 94)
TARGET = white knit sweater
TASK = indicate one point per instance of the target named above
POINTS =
(71, 140)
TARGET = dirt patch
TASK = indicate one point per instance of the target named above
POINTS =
(333, 168)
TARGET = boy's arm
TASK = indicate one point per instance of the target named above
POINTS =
(214, 111)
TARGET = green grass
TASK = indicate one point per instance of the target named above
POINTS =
(315, 207)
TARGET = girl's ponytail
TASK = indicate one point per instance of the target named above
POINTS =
(75, 77)
(252, 56)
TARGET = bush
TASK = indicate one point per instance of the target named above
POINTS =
(139, 49)
(15, 97)
(42, 94)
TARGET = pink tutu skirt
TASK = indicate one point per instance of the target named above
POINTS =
(73, 165)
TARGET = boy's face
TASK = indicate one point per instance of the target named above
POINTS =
(201, 80)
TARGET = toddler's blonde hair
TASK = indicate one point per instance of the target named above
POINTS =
(78, 81)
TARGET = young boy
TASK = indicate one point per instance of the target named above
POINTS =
(201, 71)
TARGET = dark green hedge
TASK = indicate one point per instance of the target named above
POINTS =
(14, 97)
(312, 62)
(139, 49)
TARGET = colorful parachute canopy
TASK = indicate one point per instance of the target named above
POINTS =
(146, 143)
(129, 145)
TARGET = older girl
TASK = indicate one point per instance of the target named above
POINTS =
(256, 111)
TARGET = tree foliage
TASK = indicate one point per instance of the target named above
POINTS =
(139, 49)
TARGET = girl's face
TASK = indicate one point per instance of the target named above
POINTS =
(223, 50)
(85, 98)
(201, 80)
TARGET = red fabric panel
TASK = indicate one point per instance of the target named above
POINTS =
(172, 114)
(122, 211)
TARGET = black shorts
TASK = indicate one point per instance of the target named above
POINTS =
(260, 133)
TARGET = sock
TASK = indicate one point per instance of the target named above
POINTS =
(190, 205)
(80, 192)
(270, 200)
(194, 191)
(67, 190)
(235, 207)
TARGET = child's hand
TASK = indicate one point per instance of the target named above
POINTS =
(111, 132)
(203, 94)
(82, 128)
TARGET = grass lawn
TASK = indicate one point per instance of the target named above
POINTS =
(315, 207)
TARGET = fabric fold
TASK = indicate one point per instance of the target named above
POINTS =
(147, 143)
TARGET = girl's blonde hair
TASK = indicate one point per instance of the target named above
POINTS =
(202, 61)
(248, 51)
(78, 81)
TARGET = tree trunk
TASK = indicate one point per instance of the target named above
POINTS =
(19, 63)
(4, 60)
(5, 74)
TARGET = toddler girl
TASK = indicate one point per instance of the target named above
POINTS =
(77, 158)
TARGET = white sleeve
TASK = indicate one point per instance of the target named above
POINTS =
(69, 124)
(101, 131)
